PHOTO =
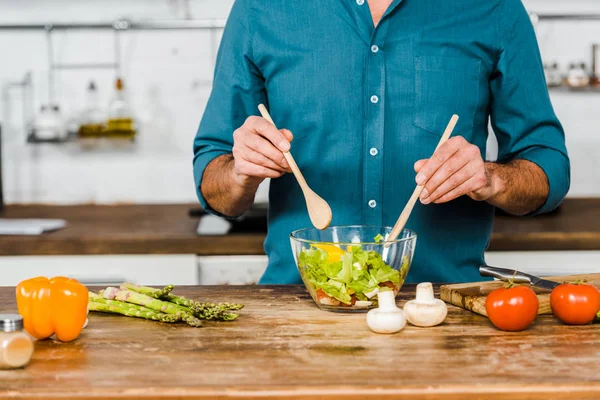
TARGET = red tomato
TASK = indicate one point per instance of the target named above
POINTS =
(575, 304)
(324, 299)
(512, 309)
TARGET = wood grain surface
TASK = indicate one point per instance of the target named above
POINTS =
(471, 296)
(123, 229)
(574, 227)
(284, 347)
(167, 229)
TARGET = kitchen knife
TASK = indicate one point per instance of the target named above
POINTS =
(505, 274)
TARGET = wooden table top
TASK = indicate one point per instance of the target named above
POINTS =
(123, 229)
(168, 229)
(283, 346)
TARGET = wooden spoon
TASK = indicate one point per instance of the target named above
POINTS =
(318, 209)
(413, 199)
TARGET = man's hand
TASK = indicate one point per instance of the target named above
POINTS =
(457, 168)
(454, 170)
(258, 152)
(230, 181)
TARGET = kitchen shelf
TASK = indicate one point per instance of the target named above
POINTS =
(35, 140)
(565, 17)
(87, 66)
(124, 25)
(564, 89)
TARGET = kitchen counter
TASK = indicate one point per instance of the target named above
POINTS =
(283, 346)
(123, 229)
(168, 229)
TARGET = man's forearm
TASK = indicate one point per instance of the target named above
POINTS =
(521, 186)
(222, 191)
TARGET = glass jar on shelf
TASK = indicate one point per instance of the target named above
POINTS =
(120, 123)
(553, 76)
(93, 119)
(578, 78)
(49, 125)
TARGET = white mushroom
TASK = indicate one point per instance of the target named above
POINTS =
(425, 310)
(387, 318)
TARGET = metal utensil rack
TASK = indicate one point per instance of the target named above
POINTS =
(118, 27)
(565, 17)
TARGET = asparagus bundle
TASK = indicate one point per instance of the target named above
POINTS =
(159, 305)
(129, 296)
(200, 310)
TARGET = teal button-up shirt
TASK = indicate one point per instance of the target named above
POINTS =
(364, 103)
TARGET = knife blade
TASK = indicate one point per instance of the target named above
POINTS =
(506, 274)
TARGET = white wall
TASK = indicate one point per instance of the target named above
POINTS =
(565, 42)
(168, 77)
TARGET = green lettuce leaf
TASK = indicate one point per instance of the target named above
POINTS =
(336, 290)
(357, 272)
(345, 274)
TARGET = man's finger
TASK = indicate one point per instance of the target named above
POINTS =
(454, 181)
(272, 134)
(438, 158)
(266, 148)
(257, 158)
(243, 167)
(419, 164)
(288, 134)
(447, 171)
(461, 190)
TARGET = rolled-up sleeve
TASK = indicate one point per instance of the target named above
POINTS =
(238, 88)
(521, 111)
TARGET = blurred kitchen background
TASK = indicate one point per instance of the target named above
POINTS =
(78, 143)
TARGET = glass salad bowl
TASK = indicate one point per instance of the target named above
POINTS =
(344, 267)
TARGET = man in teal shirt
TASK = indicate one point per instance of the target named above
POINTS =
(367, 87)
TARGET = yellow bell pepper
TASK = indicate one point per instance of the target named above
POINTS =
(56, 306)
(334, 253)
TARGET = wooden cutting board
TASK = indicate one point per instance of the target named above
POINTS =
(471, 296)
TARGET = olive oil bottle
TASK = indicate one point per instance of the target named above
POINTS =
(93, 122)
(120, 124)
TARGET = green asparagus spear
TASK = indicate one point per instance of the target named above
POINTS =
(198, 307)
(182, 301)
(130, 296)
(94, 298)
(116, 307)
(148, 291)
(205, 310)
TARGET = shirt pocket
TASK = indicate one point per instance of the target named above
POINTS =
(445, 86)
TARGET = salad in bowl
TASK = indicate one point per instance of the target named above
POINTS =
(344, 267)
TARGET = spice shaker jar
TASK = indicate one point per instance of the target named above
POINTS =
(578, 78)
(16, 346)
(553, 75)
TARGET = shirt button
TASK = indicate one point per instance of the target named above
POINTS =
(374, 48)
(360, 2)
(372, 203)
(374, 99)
(373, 151)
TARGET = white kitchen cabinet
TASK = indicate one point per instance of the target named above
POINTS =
(547, 263)
(231, 270)
(104, 269)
